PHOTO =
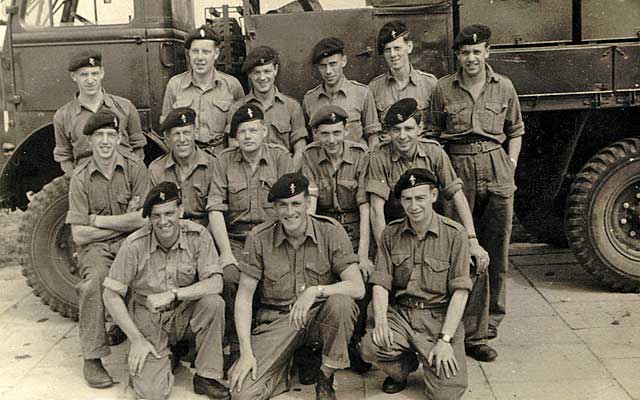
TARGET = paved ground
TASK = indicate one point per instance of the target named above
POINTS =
(564, 338)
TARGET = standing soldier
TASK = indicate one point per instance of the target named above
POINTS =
(171, 267)
(203, 88)
(422, 269)
(402, 80)
(308, 279)
(475, 111)
(354, 97)
(283, 114)
(104, 200)
(71, 144)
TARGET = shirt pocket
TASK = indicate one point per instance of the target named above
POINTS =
(280, 133)
(182, 102)
(347, 189)
(201, 193)
(186, 273)
(278, 283)
(266, 183)
(319, 272)
(238, 196)
(458, 117)
(435, 274)
(325, 194)
(123, 201)
(402, 268)
(354, 126)
(216, 113)
(493, 116)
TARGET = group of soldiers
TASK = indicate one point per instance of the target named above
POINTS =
(260, 248)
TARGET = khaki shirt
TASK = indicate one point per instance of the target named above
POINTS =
(285, 272)
(240, 193)
(356, 99)
(147, 268)
(210, 104)
(70, 119)
(386, 92)
(195, 187)
(494, 115)
(284, 118)
(431, 268)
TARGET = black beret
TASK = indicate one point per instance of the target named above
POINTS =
(412, 178)
(182, 116)
(88, 58)
(400, 111)
(259, 56)
(202, 33)
(330, 114)
(104, 118)
(326, 48)
(161, 193)
(390, 32)
(472, 34)
(288, 185)
(246, 112)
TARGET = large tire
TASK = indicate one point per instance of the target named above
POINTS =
(603, 216)
(47, 249)
(231, 65)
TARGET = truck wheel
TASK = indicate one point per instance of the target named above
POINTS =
(47, 249)
(603, 216)
(230, 63)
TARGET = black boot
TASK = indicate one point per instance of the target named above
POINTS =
(210, 388)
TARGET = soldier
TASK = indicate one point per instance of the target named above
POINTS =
(185, 165)
(354, 97)
(68, 122)
(203, 88)
(402, 80)
(104, 196)
(309, 278)
(283, 114)
(475, 111)
(171, 266)
(422, 268)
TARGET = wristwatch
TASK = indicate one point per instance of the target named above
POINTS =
(174, 292)
(444, 338)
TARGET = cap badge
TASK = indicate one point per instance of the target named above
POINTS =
(92, 61)
(115, 122)
(412, 179)
(183, 117)
(393, 34)
(162, 196)
(475, 37)
(292, 188)
(400, 117)
(263, 61)
(249, 113)
(202, 33)
(333, 117)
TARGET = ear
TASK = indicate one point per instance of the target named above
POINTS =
(102, 72)
(434, 193)
(216, 53)
(409, 46)
(73, 75)
(344, 60)
(276, 68)
(181, 211)
(488, 50)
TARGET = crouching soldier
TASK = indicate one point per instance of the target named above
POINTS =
(309, 280)
(422, 270)
(171, 267)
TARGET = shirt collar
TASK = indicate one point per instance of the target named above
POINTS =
(201, 159)
(491, 75)
(279, 235)
(188, 80)
(106, 100)
(342, 88)
(347, 154)
(93, 167)
(238, 156)
(434, 225)
(413, 76)
(252, 97)
(396, 155)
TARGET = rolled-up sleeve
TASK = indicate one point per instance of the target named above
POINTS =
(342, 255)
(78, 213)
(513, 124)
(63, 150)
(123, 270)
(207, 259)
(308, 169)
(137, 140)
(217, 198)
(377, 180)
(437, 120)
(383, 272)
(370, 121)
(251, 260)
(459, 277)
(298, 129)
(450, 183)
(362, 172)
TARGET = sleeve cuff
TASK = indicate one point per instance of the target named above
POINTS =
(343, 263)
(217, 205)
(209, 271)
(116, 286)
(516, 133)
(461, 282)
(379, 188)
(298, 135)
(75, 218)
(250, 270)
(381, 279)
(372, 128)
(452, 189)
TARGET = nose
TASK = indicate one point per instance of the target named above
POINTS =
(403, 133)
(332, 139)
(163, 219)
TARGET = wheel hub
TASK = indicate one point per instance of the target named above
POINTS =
(625, 218)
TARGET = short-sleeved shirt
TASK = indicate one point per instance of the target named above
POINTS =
(284, 117)
(211, 104)
(285, 272)
(386, 164)
(386, 92)
(240, 193)
(431, 268)
(90, 192)
(143, 265)
(356, 99)
(69, 121)
(495, 115)
(194, 188)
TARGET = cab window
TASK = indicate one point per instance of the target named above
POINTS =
(55, 13)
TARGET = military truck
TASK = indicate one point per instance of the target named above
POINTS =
(575, 64)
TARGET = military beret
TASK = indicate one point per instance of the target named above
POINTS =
(161, 193)
(400, 111)
(325, 48)
(390, 32)
(472, 34)
(202, 33)
(288, 185)
(259, 56)
(104, 118)
(329, 114)
(412, 178)
(246, 112)
(182, 116)
(89, 58)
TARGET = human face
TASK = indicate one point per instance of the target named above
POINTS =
(104, 142)
(181, 141)
(292, 213)
(250, 135)
(417, 203)
(88, 79)
(396, 53)
(263, 77)
(331, 68)
(202, 56)
(165, 220)
(473, 58)
(405, 135)
(331, 137)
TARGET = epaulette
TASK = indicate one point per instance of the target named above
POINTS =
(277, 146)
(358, 83)
(377, 78)
(397, 221)
(129, 156)
(426, 74)
(228, 150)
(430, 141)
(313, 145)
(448, 221)
(357, 145)
(190, 226)
(325, 219)
(81, 166)
(263, 226)
(313, 89)
(140, 233)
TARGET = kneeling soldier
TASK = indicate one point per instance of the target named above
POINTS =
(171, 267)
(423, 261)
(309, 278)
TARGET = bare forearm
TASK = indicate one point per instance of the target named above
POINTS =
(118, 311)
(218, 230)
(297, 155)
(464, 212)
(209, 286)
(377, 222)
(123, 223)
(380, 303)
(455, 312)
(513, 148)
(244, 312)
(67, 166)
(350, 284)
(365, 231)
(84, 234)
(373, 140)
